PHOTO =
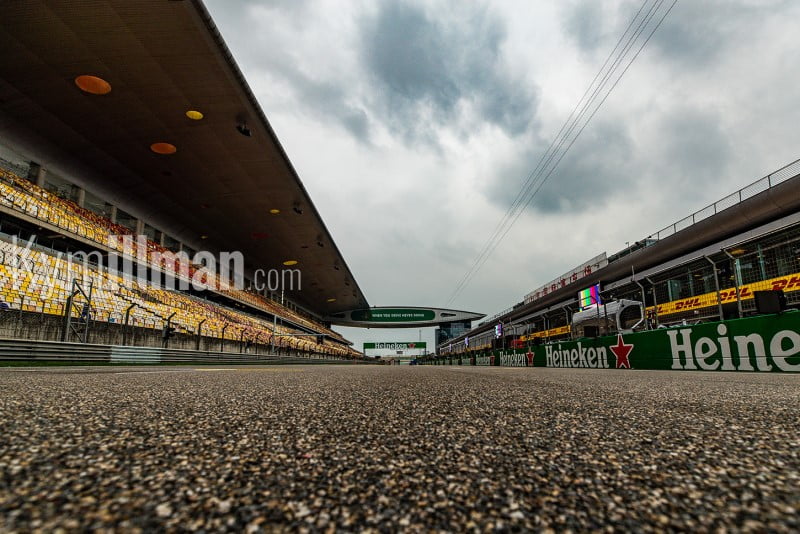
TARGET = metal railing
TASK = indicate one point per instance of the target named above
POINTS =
(18, 349)
(759, 186)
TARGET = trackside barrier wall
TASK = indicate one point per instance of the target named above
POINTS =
(15, 349)
(764, 343)
(23, 325)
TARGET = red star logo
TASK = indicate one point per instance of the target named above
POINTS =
(529, 354)
(622, 351)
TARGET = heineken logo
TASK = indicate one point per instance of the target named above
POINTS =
(581, 356)
(622, 352)
(751, 352)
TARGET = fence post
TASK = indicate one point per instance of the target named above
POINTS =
(199, 333)
(222, 338)
(736, 281)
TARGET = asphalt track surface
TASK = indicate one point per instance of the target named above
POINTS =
(387, 448)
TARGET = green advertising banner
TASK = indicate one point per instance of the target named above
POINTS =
(765, 343)
(396, 345)
(391, 315)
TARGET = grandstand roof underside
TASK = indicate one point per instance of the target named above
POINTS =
(162, 58)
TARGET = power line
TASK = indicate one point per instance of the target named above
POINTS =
(543, 162)
(537, 178)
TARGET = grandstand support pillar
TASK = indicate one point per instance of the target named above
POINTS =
(241, 341)
(546, 327)
(199, 333)
(222, 338)
(81, 197)
(41, 173)
(644, 304)
(167, 331)
(736, 281)
(655, 296)
(272, 337)
(78, 326)
(716, 286)
(568, 314)
(127, 320)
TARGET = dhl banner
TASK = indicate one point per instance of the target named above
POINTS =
(790, 282)
(553, 332)
(787, 283)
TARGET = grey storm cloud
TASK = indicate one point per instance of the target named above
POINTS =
(584, 23)
(694, 35)
(698, 34)
(587, 175)
(693, 154)
(329, 99)
(426, 68)
(416, 71)
(696, 150)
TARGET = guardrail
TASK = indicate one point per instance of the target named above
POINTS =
(748, 191)
(25, 350)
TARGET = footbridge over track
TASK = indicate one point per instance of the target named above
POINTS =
(401, 317)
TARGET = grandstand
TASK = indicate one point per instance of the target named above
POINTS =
(40, 282)
(705, 267)
(121, 151)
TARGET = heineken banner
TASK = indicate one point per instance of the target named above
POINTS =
(766, 343)
(396, 345)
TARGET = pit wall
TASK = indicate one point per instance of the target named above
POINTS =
(764, 343)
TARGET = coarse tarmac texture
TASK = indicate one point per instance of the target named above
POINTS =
(397, 448)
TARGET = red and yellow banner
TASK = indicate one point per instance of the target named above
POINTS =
(790, 282)
(553, 332)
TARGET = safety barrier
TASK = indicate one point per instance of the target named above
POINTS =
(16, 349)
(763, 343)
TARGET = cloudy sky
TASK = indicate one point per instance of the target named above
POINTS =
(414, 124)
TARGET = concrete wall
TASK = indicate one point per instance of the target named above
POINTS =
(17, 324)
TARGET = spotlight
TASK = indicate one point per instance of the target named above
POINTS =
(243, 129)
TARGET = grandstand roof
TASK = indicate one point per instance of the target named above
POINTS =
(163, 58)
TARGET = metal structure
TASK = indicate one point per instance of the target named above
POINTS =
(77, 325)
(717, 255)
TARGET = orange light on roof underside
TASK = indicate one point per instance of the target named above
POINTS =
(163, 148)
(93, 85)
(331, 300)
(290, 262)
(274, 211)
(194, 115)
